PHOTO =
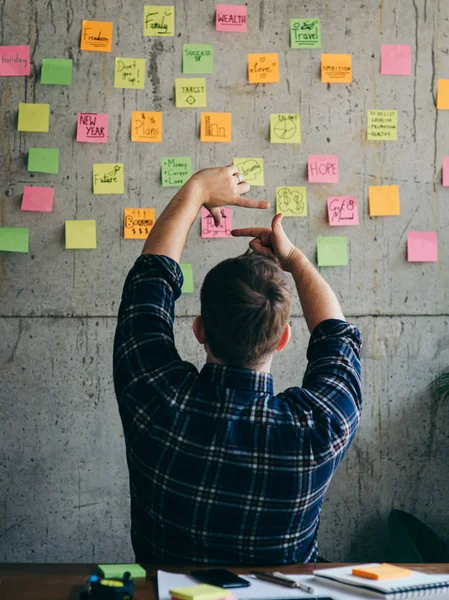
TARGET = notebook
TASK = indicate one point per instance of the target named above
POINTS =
(417, 585)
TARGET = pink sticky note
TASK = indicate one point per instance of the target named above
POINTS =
(231, 17)
(446, 171)
(38, 198)
(396, 59)
(92, 127)
(323, 168)
(422, 246)
(14, 61)
(342, 210)
(208, 228)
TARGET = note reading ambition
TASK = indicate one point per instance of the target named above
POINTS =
(336, 68)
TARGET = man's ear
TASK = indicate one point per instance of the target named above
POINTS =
(198, 329)
(285, 337)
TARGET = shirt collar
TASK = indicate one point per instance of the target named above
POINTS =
(237, 379)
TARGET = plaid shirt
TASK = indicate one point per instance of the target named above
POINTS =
(221, 469)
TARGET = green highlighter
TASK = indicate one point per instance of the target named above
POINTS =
(116, 571)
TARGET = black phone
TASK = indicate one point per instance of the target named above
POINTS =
(219, 577)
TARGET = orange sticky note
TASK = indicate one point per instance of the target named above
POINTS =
(384, 200)
(96, 36)
(443, 94)
(137, 223)
(383, 571)
(146, 126)
(336, 68)
(215, 127)
(263, 68)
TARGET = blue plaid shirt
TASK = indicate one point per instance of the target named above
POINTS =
(222, 470)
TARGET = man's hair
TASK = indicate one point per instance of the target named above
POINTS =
(245, 305)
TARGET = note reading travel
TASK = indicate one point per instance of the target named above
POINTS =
(15, 61)
(323, 168)
(342, 210)
(108, 178)
(251, 169)
(159, 21)
(137, 223)
(175, 170)
(230, 17)
(129, 73)
(146, 126)
(422, 246)
(305, 33)
(285, 129)
(210, 230)
(336, 68)
(291, 201)
(263, 68)
(92, 127)
(396, 59)
(384, 200)
(332, 251)
(198, 59)
(216, 127)
(190, 93)
(96, 36)
(34, 117)
(56, 71)
(37, 198)
(43, 160)
(80, 235)
(382, 125)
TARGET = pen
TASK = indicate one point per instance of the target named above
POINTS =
(281, 579)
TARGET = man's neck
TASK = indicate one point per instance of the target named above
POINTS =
(264, 367)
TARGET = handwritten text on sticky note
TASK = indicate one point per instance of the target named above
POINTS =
(146, 126)
(332, 251)
(34, 117)
(191, 92)
(96, 36)
(305, 33)
(14, 61)
(382, 125)
(342, 210)
(215, 127)
(263, 68)
(285, 129)
(108, 178)
(323, 168)
(137, 223)
(208, 227)
(175, 170)
(251, 169)
(384, 200)
(395, 59)
(92, 127)
(422, 246)
(159, 21)
(38, 198)
(198, 59)
(129, 73)
(291, 201)
(231, 17)
(336, 68)
(80, 234)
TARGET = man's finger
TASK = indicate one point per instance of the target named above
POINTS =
(257, 247)
(243, 187)
(249, 203)
(231, 169)
(253, 232)
(216, 213)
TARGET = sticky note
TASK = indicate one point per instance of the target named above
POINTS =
(291, 201)
(108, 178)
(43, 160)
(396, 59)
(137, 223)
(443, 94)
(384, 200)
(198, 58)
(146, 126)
(210, 230)
(80, 235)
(14, 239)
(216, 127)
(175, 170)
(56, 71)
(446, 171)
(336, 68)
(200, 592)
(92, 127)
(96, 36)
(332, 251)
(263, 68)
(382, 572)
(251, 169)
(230, 17)
(190, 93)
(382, 125)
(117, 571)
(34, 117)
(342, 210)
(422, 246)
(285, 129)
(14, 61)
(159, 21)
(187, 271)
(305, 33)
(129, 73)
(323, 168)
(38, 198)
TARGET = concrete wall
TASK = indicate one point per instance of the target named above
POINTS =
(63, 477)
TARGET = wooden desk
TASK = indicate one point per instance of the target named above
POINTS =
(65, 582)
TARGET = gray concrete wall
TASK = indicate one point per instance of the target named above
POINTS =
(63, 477)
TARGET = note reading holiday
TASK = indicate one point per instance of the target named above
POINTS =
(14, 61)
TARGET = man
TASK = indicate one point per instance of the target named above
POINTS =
(221, 469)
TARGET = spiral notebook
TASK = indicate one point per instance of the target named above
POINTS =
(417, 585)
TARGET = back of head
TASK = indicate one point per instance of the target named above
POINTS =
(245, 305)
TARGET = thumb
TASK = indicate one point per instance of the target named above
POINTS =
(276, 225)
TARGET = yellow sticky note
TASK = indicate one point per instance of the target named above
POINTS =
(443, 94)
(108, 178)
(384, 200)
(96, 36)
(336, 68)
(382, 125)
(80, 235)
(215, 127)
(263, 68)
(191, 92)
(137, 223)
(159, 21)
(251, 169)
(285, 129)
(291, 200)
(146, 126)
(34, 117)
(129, 73)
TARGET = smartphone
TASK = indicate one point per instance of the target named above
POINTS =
(219, 577)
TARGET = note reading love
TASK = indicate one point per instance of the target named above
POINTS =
(263, 68)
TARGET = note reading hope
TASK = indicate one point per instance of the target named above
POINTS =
(323, 168)
(230, 17)
(92, 127)
(210, 230)
(14, 61)
(263, 68)
(342, 210)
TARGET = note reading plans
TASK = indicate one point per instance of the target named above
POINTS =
(43, 160)
(263, 68)
(191, 93)
(159, 21)
(384, 200)
(198, 59)
(92, 127)
(422, 246)
(251, 169)
(215, 127)
(108, 178)
(34, 117)
(396, 59)
(187, 271)
(336, 68)
(146, 126)
(230, 17)
(57, 71)
(210, 230)
(332, 251)
(14, 239)
(305, 33)
(137, 223)
(15, 61)
(285, 129)
(38, 199)
(291, 200)
(342, 210)
(382, 125)
(80, 235)
(323, 168)
(129, 73)
(175, 170)
(96, 36)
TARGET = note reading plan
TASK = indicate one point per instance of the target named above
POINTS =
(190, 93)
(305, 33)
(108, 178)
(175, 170)
(382, 125)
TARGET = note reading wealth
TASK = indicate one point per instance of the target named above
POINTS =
(96, 36)
(263, 68)
(215, 127)
(251, 169)
(291, 201)
(137, 223)
(175, 170)
(336, 68)
(382, 125)
(305, 33)
(210, 230)
(342, 210)
(129, 73)
(190, 93)
(14, 61)
(146, 126)
(159, 21)
(230, 17)
(92, 127)
(108, 178)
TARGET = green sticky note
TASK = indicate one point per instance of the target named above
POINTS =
(14, 239)
(116, 571)
(43, 160)
(291, 200)
(187, 271)
(251, 169)
(175, 170)
(285, 129)
(80, 235)
(34, 117)
(191, 93)
(332, 251)
(305, 33)
(382, 125)
(198, 58)
(57, 71)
